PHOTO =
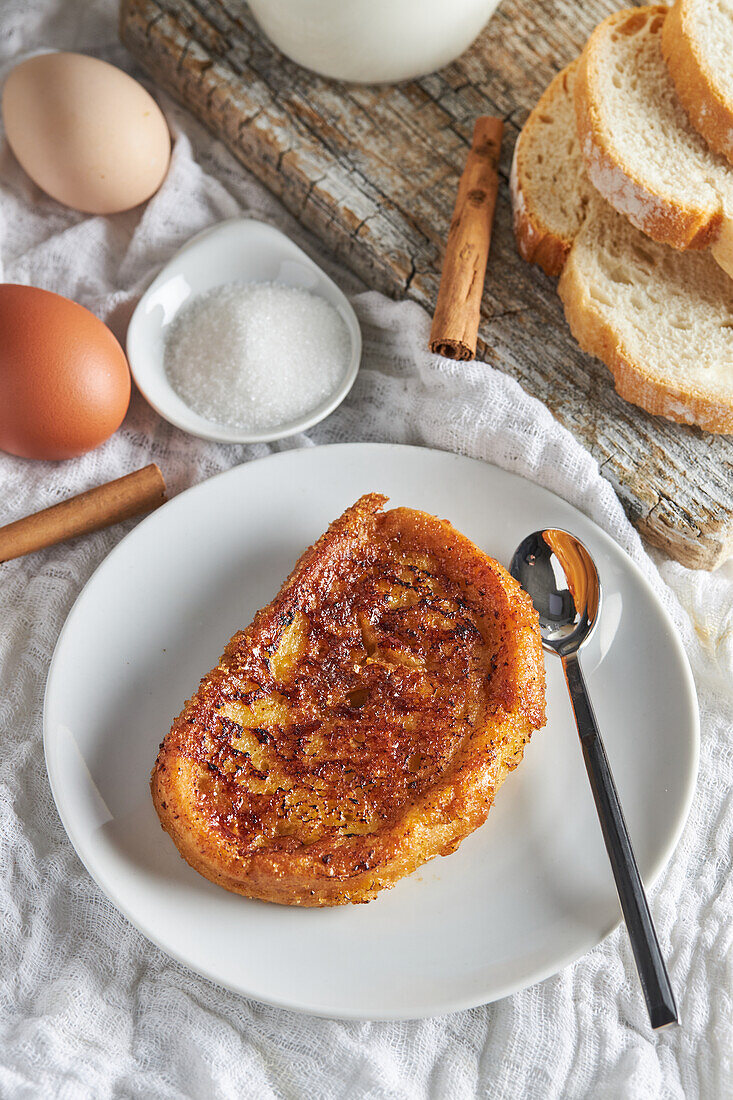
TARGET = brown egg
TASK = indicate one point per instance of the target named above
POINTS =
(64, 379)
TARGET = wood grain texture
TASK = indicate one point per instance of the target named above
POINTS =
(374, 170)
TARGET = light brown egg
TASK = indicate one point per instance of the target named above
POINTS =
(64, 379)
(87, 133)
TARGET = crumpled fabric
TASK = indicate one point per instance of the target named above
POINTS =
(89, 1008)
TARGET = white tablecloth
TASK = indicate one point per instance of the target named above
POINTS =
(89, 1008)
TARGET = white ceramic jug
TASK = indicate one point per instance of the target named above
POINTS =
(372, 41)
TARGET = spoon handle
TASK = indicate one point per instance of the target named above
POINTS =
(649, 962)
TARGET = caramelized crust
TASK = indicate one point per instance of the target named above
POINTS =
(363, 722)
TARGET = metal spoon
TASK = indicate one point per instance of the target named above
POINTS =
(561, 578)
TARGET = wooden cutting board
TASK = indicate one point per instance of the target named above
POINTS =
(373, 171)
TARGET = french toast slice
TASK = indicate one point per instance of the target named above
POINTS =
(363, 722)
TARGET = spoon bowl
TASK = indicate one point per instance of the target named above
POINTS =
(562, 579)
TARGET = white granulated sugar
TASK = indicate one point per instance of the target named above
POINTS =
(257, 355)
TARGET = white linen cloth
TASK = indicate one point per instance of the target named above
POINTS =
(89, 1008)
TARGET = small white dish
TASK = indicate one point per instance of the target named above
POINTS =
(522, 897)
(239, 250)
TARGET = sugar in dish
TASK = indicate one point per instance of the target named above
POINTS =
(255, 356)
(307, 351)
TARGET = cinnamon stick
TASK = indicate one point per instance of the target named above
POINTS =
(127, 496)
(455, 324)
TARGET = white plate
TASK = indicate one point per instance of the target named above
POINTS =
(525, 895)
(239, 250)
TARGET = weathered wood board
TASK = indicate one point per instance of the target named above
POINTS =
(373, 171)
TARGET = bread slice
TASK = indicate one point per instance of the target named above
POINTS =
(661, 320)
(363, 722)
(640, 149)
(548, 214)
(697, 44)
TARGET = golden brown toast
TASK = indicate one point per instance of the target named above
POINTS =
(363, 722)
